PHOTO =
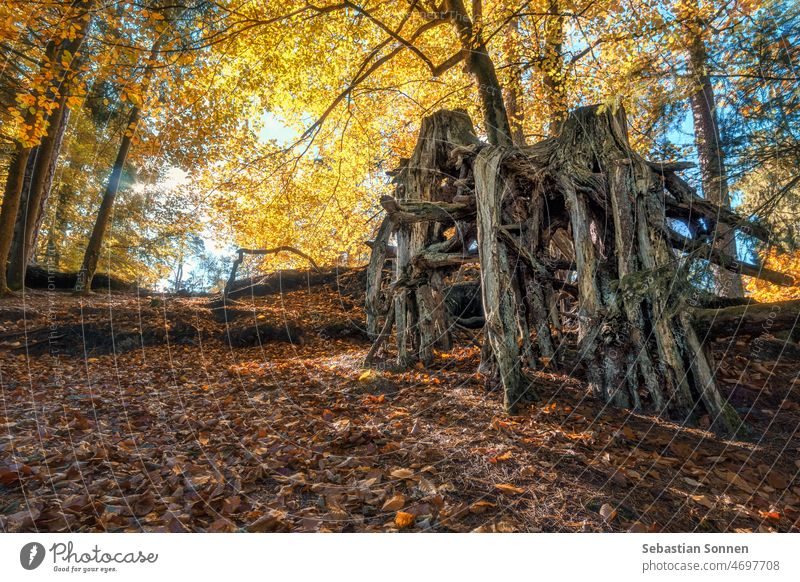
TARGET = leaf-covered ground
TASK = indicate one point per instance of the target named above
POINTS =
(163, 426)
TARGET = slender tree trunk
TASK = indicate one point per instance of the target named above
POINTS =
(481, 67)
(34, 198)
(58, 229)
(553, 66)
(514, 94)
(711, 156)
(92, 255)
(10, 207)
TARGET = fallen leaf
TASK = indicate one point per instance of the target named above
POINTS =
(231, 504)
(481, 506)
(404, 520)
(499, 458)
(509, 489)
(394, 503)
(770, 515)
(268, 522)
(703, 500)
(607, 512)
(777, 480)
(402, 473)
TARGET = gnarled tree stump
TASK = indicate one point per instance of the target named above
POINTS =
(582, 215)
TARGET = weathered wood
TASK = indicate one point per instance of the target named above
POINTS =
(582, 214)
(496, 290)
(689, 203)
(748, 320)
(423, 211)
(379, 341)
(433, 260)
(623, 203)
(425, 188)
(373, 304)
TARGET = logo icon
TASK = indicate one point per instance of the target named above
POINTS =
(31, 555)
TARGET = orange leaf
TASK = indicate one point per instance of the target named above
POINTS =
(510, 489)
(403, 519)
(504, 457)
(770, 515)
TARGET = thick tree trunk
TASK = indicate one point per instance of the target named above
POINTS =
(10, 207)
(711, 157)
(42, 167)
(419, 308)
(62, 55)
(92, 254)
(500, 301)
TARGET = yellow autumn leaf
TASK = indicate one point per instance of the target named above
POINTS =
(509, 489)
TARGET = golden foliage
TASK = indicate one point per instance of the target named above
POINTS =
(764, 291)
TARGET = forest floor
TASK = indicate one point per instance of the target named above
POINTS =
(144, 429)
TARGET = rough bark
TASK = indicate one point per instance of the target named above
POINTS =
(499, 299)
(423, 198)
(752, 319)
(374, 306)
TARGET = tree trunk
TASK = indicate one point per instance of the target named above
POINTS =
(57, 232)
(10, 207)
(42, 165)
(92, 254)
(500, 302)
(61, 56)
(48, 186)
(481, 67)
(553, 66)
(711, 156)
(514, 95)
(374, 306)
